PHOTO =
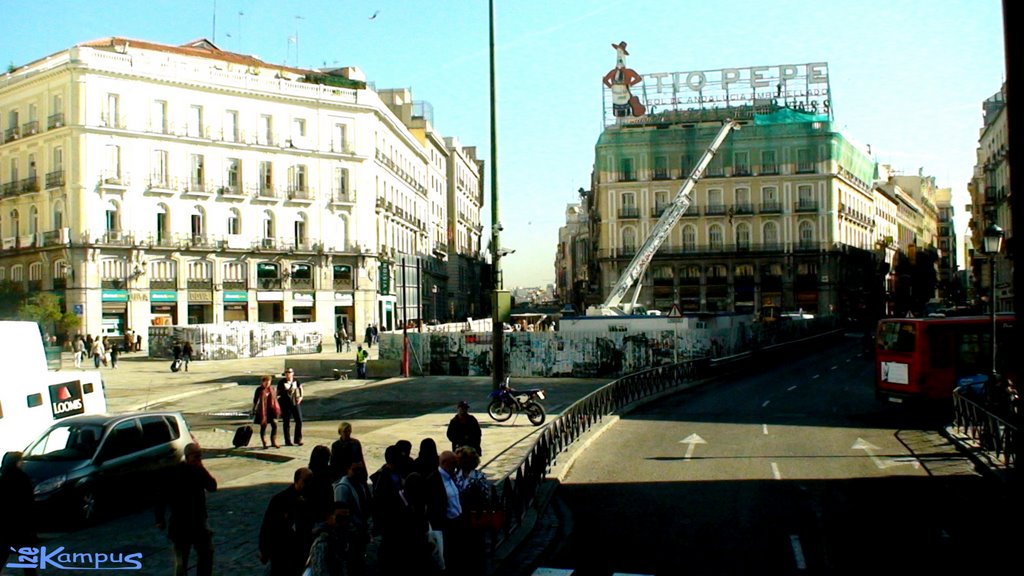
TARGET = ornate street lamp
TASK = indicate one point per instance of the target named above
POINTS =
(992, 242)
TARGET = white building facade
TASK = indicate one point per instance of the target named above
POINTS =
(169, 185)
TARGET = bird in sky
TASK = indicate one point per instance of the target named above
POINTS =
(374, 15)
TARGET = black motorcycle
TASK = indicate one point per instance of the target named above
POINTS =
(505, 401)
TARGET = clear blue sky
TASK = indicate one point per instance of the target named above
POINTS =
(908, 76)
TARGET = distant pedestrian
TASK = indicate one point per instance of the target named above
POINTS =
(176, 350)
(18, 505)
(344, 452)
(327, 553)
(337, 341)
(368, 340)
(282, 541)
(320, 490)
(97, 352)
(184, 496)
(138, 342)
(79, 349)
(289, 397)
(265, 410)
(464, 430)
(375, 333)
(186, 353)
(361, 357)
(115, 352)
(345, 339)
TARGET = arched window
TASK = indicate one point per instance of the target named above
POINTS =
(165, 270)
(15, 224)
(163, 224)
(35, 271)
(743, 236)
(689, 238)
(716, 238)
(234, 272)
(33, 220)
(17, 273)
(200, 270)
(628, 240)
(58, 214)
(806, 234)
(771, 235)
(300, 229)
(234, 222)
(197, 222)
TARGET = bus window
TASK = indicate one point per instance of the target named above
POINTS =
(897, 337)
(973, 353)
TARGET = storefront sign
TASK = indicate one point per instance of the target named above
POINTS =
(198, 296)
(115, 296)
(269, 296)
(163, 295)
(302, 296)
(236, 296)
(343, 298)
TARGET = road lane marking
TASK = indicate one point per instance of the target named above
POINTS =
(791, 388)
(834, 367)
(815, 376)
(692, 440)
(775, 471)
(764, 429)
(882, 464)
(798, 552)
(765, 403)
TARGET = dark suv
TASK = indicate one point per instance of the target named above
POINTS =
(83, 463)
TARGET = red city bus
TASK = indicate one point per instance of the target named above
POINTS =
(924, 358)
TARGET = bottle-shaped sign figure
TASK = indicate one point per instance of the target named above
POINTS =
(620, 79)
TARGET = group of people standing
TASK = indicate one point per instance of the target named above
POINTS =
(103, 351)
(325, 520)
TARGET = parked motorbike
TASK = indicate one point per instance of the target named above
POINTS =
(505, 401)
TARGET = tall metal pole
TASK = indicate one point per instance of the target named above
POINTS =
(497, 329)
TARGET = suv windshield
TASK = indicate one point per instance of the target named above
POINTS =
(68, 442)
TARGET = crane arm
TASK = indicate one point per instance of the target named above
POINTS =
(668, 219)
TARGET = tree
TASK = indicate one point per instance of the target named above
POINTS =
(44, 308)
(11, 297)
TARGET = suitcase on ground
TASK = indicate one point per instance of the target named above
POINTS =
(176, 365)
(243, 435)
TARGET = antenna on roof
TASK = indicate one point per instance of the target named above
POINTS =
(214, 40)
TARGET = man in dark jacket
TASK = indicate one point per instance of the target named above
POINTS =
(464, 430)
(184, 495)
(289, 397)
(284, 540)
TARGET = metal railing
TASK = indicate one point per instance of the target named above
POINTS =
(993, 433)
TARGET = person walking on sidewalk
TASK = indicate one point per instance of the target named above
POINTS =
(79, 348)
(284, 541)
(289, 397)
(184, 495)
(464, 430)
(344, 451)
(337, 341)
(361, 358)
(345, 339)
(97, 352)
(186, 353)
(265, 410)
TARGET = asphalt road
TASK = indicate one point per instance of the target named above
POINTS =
(794, 469)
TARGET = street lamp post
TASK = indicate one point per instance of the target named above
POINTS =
(433, 311)
(992, 243)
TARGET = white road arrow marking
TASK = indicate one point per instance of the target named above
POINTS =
(882, 464)
(692, 440)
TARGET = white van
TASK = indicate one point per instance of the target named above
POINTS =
(33, 397)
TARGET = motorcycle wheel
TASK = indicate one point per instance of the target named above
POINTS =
(535, 412)
(499, 410)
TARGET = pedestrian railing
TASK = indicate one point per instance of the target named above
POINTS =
(994, 434)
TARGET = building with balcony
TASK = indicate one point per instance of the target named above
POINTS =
(784, 216)
(154, 184)
(990, 204)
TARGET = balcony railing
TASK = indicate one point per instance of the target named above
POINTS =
(806, 205)
(55, 179)
(771, 207)
(30, 184)
(804, 167)
(9, 189)
(341, 196)
(769, 169)
(342, 284)
(300, 193)
(30, 128)
(269, 283)
(629, 212)
(55, 121)
(743, 208)
(301, 283)
(657, 211)
(714, 209)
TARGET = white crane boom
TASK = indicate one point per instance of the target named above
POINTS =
(661, 230)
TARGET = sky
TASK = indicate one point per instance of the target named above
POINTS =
(908, 77)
